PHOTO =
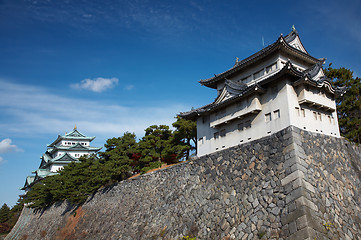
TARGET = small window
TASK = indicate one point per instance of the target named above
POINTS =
(319, 116)
(276, 114)
(297, 111)
(303, 114)
(268, 117)
(329, 119)
(247, 124)
(258, 74)
(216, 135)
(271, 68)
(246, 79)
(223, 132)
(240, 126)
(315, 115)
(200, 140)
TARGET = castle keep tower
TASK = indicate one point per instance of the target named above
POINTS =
(282, 85)
(64, 150)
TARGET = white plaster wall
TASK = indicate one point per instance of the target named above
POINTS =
(63, 142)
(56, 167)
(280, 97)
(308, 121)
(273, 100)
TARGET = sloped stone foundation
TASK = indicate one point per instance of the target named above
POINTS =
(291, 185)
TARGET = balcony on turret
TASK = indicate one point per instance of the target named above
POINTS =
(316, 98)
(253, 107)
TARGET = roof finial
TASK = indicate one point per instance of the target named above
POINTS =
(237, 59)
(75, 127)
(293, 28)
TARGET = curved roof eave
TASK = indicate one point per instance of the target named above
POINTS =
(280, 44)
(256, 87)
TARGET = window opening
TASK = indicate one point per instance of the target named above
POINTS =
(268, 117)
(223, 132)
(216, 135)
(247, 124)
(276, 114)
(247, 79)
(297, 111)
(258, 74)
(303, 114)
(271, 68)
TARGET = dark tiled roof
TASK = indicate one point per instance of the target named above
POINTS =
(282, 42)
(238, 91)
(309, 78)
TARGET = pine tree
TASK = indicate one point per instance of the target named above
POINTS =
(185, 137)
(348, 105)
(4, 213)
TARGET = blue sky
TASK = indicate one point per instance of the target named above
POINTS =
(116, 66)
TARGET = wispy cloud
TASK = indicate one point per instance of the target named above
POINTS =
(96, 85)
(28, 110)
(6, 146)
(1, 160)
(129, 87)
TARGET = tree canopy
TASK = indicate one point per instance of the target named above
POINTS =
(4, 213)
(348, 105)
(123, 157)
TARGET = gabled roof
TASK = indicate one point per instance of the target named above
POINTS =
(28, 182)
(73, 135)
(41, 173)
(66, 157)
(282, 44)
(315, 76)
(234, 91)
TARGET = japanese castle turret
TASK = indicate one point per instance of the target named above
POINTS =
(279, 86)
(64, 150)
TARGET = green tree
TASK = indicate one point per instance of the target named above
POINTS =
(80, 180)
(348, 105)
(154, 147)
(185, 137)
(4, 213)
(75, 182)
(117, 157)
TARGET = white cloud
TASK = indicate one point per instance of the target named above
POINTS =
(28, 111)
(6, 146)
(96, 85)
(1, 160)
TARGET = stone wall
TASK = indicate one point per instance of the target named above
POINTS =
(290, 185)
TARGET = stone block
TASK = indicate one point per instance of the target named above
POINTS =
(296, 174)
(303, 201)
(303, 183)
(305, 233)
(302, 222)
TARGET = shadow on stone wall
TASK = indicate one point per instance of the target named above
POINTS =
(290, 185)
